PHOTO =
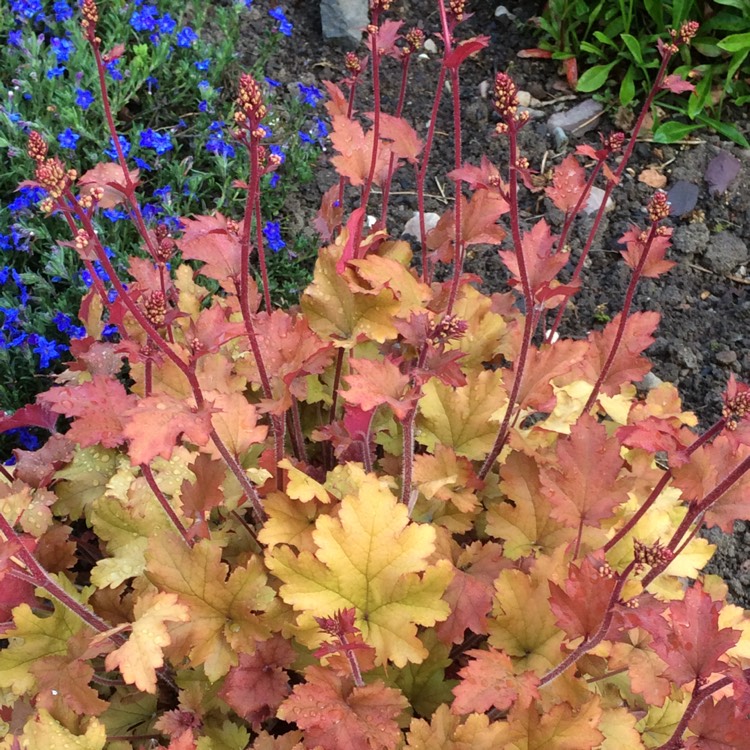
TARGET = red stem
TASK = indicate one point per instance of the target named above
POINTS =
(634, 279)
(165, 504)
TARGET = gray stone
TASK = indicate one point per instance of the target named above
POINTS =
(412, 226)
(725, 252)
(691, 239)
(577, 120)
(726, 357)
(596, 196)
(343, 21)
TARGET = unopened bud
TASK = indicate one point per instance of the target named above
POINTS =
(658, 207)
(36, 147)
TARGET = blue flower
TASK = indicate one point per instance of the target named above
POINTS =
(203, 106)
(47, 350)
(321, 128)
(27, 9)
(278, 151)
(150, 211)
(216, 145)
(216, 126)
(167, 24)
(272, 82)
(152, 82)
(84, 99)
(62, 47)
(27, 197)
(202, 64)
(62, 11)
(26, 439)
(114, 214)
(11, 317)
(186, 37)
(15, 38)
(86, 278)
(273, 180)
(68, 139)
(56, 72)
(165, 193)
(159, 142)
(124, 145)
(285, 26)
(113, 68)
(142, 164)
(144, 18)
(310, 94)
(272, 232)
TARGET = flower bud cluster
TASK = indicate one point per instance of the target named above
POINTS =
(36, 147)
(506, 103)
(687, 31)
(736, 409)
(450, 327)
(613, 142)
(89, 18)
(457, 9)
(164, 244)
(414, 40)
(654, 555)
(380, 6)
(353, 64)
(251, 109)
(53, 177)
(155, 307)
(658, 206)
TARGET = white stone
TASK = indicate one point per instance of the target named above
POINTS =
(595, 200)
(412, 226)
(501, 11)
(430, 46)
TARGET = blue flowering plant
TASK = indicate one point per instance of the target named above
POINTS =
(169, 125)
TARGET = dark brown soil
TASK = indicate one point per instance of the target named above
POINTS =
(705, 330)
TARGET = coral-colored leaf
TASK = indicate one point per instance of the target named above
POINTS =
(334, 714)
(582, 600)
(582, 485)
(446, 731)
(255, 688)
(329, 214)
(404, 142)
(63, 683)
(489, 681)
(235, 420)
(355, 151)
(695, 643)
(375, 383)
(676, 84)
(211, 240)
(627, 366)
(336, 103)
(645, 667)
(655, 264)
(718, 726)
(111, 179)
(465, 49)
(98, 406)
(141, 655)
(155, 423)
(567, 185)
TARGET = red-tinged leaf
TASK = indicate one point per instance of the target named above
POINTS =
(470, 601)
(676, 84)
(488, 681)
(334, 714)
(404, 142)
(62, 683)
(655, 264)
(235, 421)
(256, 687)
(718, 726)
(543, 366)
(652, 434)
(694, 644)
(387, 36)
(582, 485)
(31, 415)
(329, 214)
(486, 176)
(114, 54)
(355, 152)
(581, 602)
(155, 423)
(37, 468)
(212, 330)
(586, 149)
(567, 184)
(535, 53)
(478, 217)
(200, 497)
(465, 49)
(98, 407)
(353, 230)
(111, 179)
(645, 667)
(627, 366)
(542, 264)
(571, 72)
(375, 383)
(12, 593)
(337, 103)
(210, 239)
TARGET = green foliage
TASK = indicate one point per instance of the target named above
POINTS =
(614, 44)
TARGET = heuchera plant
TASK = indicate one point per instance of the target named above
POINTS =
(401, 515)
